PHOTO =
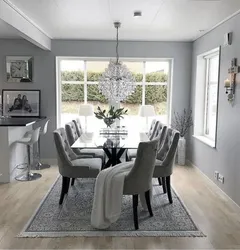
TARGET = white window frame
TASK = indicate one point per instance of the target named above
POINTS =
(208, 84)
(206, 96)
(201, 97)
(85, 82)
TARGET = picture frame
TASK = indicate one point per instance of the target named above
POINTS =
(19, 69)
(21, 103)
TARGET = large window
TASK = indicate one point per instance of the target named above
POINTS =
(72, 85)
(156, 87)
(206, 97)
(79, 84)
(212, 65)
(134, 101)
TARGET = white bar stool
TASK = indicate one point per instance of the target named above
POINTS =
(42, 132)
(29, 140)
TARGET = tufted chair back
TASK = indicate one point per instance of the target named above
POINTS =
(72, 135)
(64, 152)
(78, 126)
(139, 179)
(160, 133)
(167, 152)
(153, 129)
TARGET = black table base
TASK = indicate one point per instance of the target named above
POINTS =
(113, 156)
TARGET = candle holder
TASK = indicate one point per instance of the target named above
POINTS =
(230, 89)
(230, 85)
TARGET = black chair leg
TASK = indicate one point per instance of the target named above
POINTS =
(126, 156)
(103, 162)
(164, 185)
(67, 185)
(63, 191)
(135, 212)
(159, 182)
(72, 182)
(169, 193)
(147, 197)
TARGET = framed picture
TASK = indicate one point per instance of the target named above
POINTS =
(19, 69)
(21, 103)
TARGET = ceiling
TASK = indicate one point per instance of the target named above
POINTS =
(6, 31)
(165, 20)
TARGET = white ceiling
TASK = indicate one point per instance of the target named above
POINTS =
(6, 31)
(171, 20)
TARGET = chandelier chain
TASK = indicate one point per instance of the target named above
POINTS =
(117, 82)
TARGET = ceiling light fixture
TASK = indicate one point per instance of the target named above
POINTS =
(117, 82)
(137, 14)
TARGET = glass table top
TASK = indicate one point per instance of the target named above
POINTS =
(111, 138)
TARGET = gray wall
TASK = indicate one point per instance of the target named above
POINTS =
(226, 157)
(44, 79)
(44, 69)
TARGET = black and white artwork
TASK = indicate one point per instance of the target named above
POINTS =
(21, 103)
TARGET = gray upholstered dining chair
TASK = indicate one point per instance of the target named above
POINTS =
(72, 136)
(139, 179)
(159, 130)
(71, 166)
(165, 161)
(78, 126)
(153, 128)
(160, 133)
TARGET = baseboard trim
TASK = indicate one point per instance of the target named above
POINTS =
(200, 171)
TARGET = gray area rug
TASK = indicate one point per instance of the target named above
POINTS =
(73, 217)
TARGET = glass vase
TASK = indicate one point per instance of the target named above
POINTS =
(109, 121)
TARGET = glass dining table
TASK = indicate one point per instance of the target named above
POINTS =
(114, 142)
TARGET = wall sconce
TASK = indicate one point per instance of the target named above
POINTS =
(230, 89)
(230, 85)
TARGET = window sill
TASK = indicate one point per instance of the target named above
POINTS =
(205, 140)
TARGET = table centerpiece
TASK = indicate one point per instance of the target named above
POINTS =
(111, 115)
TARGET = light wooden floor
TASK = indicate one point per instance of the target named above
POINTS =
(211, 210)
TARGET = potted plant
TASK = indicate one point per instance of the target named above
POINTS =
(110, 116)
(182, 123)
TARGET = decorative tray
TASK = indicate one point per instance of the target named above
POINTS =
(114, 131)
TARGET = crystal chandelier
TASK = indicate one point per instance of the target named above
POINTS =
(117, 82)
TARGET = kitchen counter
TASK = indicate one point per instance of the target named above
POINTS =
(12, 153)
(19, 121)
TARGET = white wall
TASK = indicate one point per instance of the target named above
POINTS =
(45, 71)
(226, 157)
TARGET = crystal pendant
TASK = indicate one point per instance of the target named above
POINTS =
(117, 82)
